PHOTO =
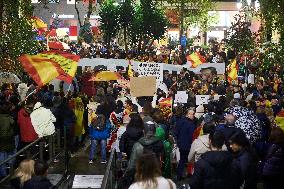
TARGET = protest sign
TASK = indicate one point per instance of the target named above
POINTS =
(202, 99)
(143, 86)
(181, 97)
(151, 69)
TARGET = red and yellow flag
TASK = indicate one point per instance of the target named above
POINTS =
(232, 69)
(166, 102)
(196, 59)
(47, 66)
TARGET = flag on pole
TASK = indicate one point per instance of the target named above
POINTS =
(38, 24)
(232, 69)
(196, 59)
(47, 66)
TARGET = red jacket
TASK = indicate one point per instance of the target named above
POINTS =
(27, 131)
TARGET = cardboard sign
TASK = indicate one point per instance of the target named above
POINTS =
(143, 86)
(181, 97)
(151, 69)
(202, 99)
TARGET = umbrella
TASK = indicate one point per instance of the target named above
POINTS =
(106, 76)
(247, 121)
(58, 45)
(8, 77)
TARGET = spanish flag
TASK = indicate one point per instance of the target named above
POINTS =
(129, 70)
(279, 119)
(232, 69)
(196, 59)
(47, 66)
(38, 24)
(166, 102)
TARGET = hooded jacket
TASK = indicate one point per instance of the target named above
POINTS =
(42, 120)
(199, 147)
(148, 142)
(128, 139)
(214, 170)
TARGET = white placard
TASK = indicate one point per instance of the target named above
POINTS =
(202, 99)
(88, 181)
(181, 97)
(151, 69)
(251, 78)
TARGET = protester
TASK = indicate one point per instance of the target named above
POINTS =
(184, 133)
(273, 165)
(42, 120)
(245, 158)
(39, 180)
(23, 173)
(148, 174)
(99, 133)
(7, 141)
(134, 131)
(215, 168)
(201, 145)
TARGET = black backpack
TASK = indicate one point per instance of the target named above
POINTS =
(99, 122)
(154, 148)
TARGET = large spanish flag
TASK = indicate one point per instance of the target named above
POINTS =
(47, 66)
(196, 59)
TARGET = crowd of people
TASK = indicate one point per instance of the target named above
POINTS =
(213, 54)
(233, 141)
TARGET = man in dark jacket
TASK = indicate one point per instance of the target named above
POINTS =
(7, 141)
(229, 128)
(215, 169)
(39, 181)
(184, 132)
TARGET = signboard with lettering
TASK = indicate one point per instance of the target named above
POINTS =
(151, 69)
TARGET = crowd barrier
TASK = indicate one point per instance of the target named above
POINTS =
(110, 176)
(40, 146)
(111, 64)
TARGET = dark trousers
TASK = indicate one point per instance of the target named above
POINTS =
(181, 164)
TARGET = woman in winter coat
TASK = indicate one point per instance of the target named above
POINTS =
(202, 144)
(148, 174)
(134, 131)
(273, 169)
(245, 159)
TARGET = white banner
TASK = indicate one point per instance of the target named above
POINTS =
(202, 99)
(109, 63)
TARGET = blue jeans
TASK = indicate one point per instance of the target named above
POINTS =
(94, 143)
(3, 167)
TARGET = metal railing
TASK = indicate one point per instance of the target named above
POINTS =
(52, 143)
(110, 176)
